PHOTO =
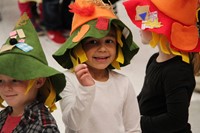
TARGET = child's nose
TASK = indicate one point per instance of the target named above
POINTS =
(7, 87)
(102, 47)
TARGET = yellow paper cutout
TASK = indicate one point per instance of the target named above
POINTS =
(78, 56)
(185, 57)
(164, 49)
(119, 59)
(115, 64)
(30, 85)
(1, 103)
(153, 24)
(50, 101)
(21, 33)
(164, 45)
(120, 56)
(74, 61)
(119, 34)
(175, 52)
(80, 53)
(6, 47)
(155, 39)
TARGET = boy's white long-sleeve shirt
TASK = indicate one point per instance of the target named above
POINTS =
(106, 107)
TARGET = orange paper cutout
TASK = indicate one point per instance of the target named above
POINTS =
(84, 29)
(184, 37)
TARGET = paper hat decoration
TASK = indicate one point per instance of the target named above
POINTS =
(175, 19)
(93, 18)
(23, 58)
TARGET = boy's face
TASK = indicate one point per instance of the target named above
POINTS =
(13, 91)
(146, 36)
(100, 52)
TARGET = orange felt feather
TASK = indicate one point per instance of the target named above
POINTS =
(83, 11)
(184, 38)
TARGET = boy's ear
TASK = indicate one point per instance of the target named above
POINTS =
(40, 82)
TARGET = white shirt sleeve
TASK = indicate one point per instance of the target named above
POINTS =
(76, 102)
(131, 114)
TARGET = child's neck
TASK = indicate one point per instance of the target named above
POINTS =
(163, 57)
(99, 74)
(17, 111)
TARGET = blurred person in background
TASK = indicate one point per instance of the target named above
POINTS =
(34, 10)
(57, 19)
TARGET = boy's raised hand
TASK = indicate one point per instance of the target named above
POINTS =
(83, 75)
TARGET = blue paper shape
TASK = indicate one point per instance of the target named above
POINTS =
(143, 15)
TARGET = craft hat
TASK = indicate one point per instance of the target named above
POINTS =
(93, 18)
(23, 58)
(175, 19)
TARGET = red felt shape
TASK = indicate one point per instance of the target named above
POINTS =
(102, 23)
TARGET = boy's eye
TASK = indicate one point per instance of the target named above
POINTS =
(16, 82)
(92, 42)
(12, 83)
(1, 83)
(109, 41)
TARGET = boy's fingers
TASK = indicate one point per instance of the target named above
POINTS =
(81, 72)
(79, 67)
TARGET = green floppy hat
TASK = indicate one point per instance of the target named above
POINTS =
(80, 21)
(23, 58)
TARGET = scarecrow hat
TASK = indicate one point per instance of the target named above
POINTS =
(93, 18)
(175, 19)
(23, 58)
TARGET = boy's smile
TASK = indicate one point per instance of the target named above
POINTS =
(100, 52)
(13, 91)
(101, 58)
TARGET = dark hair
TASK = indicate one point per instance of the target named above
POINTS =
(195, 60)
